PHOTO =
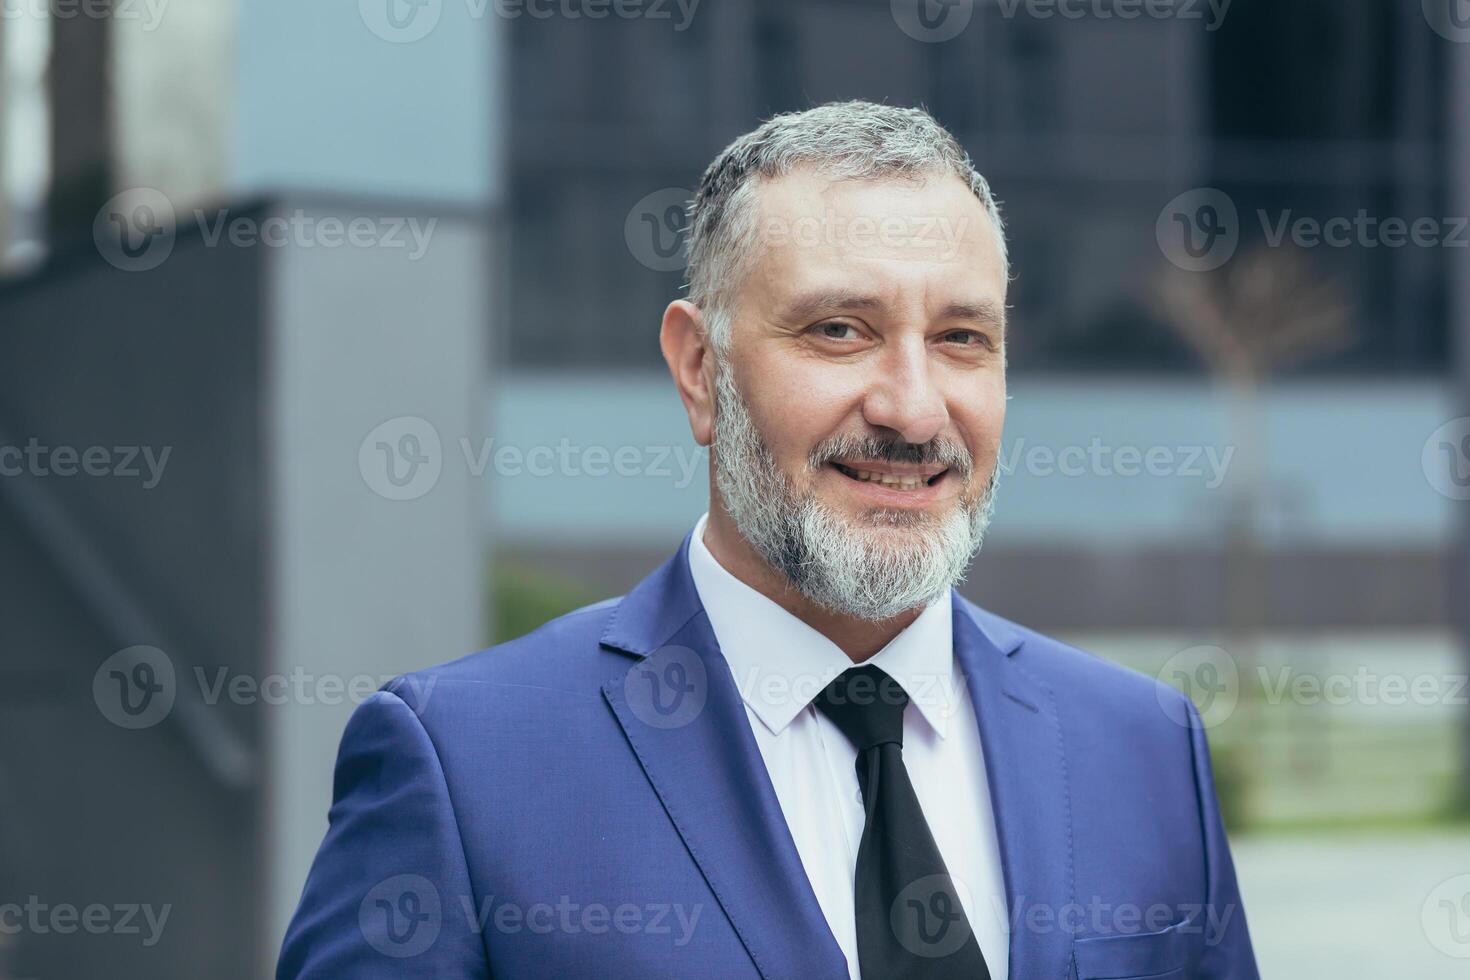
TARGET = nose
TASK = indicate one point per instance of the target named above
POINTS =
(904, 396)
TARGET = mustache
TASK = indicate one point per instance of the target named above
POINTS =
(879, 449)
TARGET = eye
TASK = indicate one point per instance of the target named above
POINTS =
(968, 338)
(836, 330)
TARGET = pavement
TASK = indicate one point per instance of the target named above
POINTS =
(1362, 905)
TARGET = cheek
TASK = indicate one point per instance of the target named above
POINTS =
(800, 408)
(982, 422)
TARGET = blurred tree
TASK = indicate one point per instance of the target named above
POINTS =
(1267, 310)
(1458, 122)
(523, 598)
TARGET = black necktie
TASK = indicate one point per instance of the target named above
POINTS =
(909, 919)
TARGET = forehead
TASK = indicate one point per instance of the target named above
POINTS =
(928, 239)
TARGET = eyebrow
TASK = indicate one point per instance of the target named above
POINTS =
(807, 306)
(812, 304)
(983, 312)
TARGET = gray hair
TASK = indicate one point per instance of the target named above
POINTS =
(841, 140)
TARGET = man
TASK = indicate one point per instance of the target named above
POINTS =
(793, 751)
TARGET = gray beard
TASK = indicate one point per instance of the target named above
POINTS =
(843, 566)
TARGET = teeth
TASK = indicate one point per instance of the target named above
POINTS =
(891, 480)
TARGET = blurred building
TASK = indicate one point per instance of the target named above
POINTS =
(1085, 127)
(226, 254)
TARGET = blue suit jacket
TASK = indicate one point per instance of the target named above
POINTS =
(589, 801)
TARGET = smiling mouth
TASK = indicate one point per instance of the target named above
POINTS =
(893, 481)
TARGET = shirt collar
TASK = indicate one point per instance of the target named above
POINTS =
(780, 663)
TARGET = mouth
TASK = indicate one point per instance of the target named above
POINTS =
(904, 479)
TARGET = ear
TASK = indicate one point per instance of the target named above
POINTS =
(686, 351)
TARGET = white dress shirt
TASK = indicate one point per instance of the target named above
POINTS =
(780, 664)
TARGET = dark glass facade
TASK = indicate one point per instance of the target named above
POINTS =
(1086, 127)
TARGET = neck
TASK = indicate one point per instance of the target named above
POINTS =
(858, 638)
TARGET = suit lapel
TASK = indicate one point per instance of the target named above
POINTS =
(1024, 759)
(678, 706)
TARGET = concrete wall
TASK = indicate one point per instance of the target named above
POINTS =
(275, 572)
(365, 349)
